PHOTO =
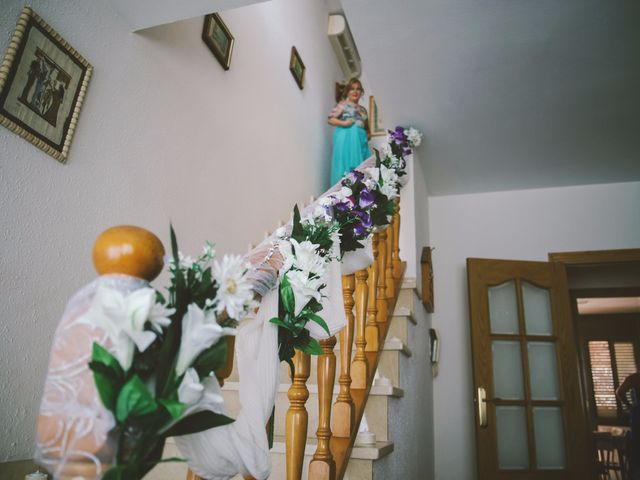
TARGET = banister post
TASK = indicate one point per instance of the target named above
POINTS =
(343, 418)
(297, 418)
(322, 466)
(395, 255)
(381, 291)
(372, 332)
(360, 365)
(388, 271)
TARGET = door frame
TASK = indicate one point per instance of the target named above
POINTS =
(588, 258)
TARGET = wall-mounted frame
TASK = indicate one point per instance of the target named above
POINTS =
(375, 122)
(43, 82)
(297, 68)
(218, 38)
(427, 279)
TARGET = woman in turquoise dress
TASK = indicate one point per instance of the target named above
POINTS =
(351, 136)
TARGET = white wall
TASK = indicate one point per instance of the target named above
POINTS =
(165, 134)
(524, 225)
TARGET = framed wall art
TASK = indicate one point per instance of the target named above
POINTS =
(218, 38)
(426, 269)
(375, 122)
(297, 68)
(43, 82)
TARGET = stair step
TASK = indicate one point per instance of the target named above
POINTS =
(395, 344)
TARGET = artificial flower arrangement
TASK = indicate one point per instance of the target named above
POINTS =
(402, 140)
(157, 379)
(306, 253)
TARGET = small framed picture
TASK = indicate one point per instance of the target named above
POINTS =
(375, 122)
(43, 82)
(297, 68)
(218, 38)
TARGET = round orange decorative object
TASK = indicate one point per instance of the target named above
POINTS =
(128, 250)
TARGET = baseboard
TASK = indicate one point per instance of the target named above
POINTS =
(17, 469)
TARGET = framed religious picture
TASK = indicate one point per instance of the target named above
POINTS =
(218, 38)
(375, 122)
(43, 81)
(297, 68)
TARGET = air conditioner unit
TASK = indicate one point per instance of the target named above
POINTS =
(344, 46)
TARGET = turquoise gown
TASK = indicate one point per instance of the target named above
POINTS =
(350, 144)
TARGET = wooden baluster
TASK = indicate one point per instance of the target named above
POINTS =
(397, 263)
(322, 466)
(381, 291)
(372, 332)
(388, 270)
(297, 418)
(344, 414)
(360, 366)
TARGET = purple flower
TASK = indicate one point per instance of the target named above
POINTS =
(359, 229)
(366, 198)
(364, 217)
(353, 177)
(343, 206)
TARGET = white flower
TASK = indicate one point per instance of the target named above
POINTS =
(307, 258)
(199, 331)
(414, 137)
(374, 173)
(385, 150)
(343, 193)
(370, 184)
(159, 316)
(280, 232)
(388, 190)
(190, 390)
(327, 201)
(123, 318)
(234, 291)
(208, 252)
(304, 289)
(389, 179)
(211, 398)
(286, 250)
(321, 212)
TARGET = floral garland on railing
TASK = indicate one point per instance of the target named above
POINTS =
(349, 215)
(160, 380)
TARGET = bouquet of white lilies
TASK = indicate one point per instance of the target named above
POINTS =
(155, 374)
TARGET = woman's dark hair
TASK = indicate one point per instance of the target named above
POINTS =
(341, 93)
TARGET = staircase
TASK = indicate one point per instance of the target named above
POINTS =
(385, 407)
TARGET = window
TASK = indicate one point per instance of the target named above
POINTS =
(610, 362)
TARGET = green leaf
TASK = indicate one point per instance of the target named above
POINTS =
(174, 245)
(320, 321)
(311, 348)
(296, 232)
(107, 384)
(175, 408)
(197, 423)
(286, 295)
(212, 358)
(101, 355)
(279, 322)
(134, 400)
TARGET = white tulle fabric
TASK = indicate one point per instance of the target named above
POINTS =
(358, 259)
(73, 425)
(242, 447)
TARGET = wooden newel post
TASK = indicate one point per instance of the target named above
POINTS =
(395, 255)
(381, 291)
(344, 414)
(297, 418)
(372, 333)
(360, 366)
(322, 466)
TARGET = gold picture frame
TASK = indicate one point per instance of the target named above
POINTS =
(218, 38)
(297, 68)
(43, 82)
(375, 121)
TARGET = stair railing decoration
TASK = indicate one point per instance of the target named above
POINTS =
(170, 351)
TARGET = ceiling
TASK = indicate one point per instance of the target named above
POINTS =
(509, 94)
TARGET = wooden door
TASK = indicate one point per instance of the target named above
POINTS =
(530, 422)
